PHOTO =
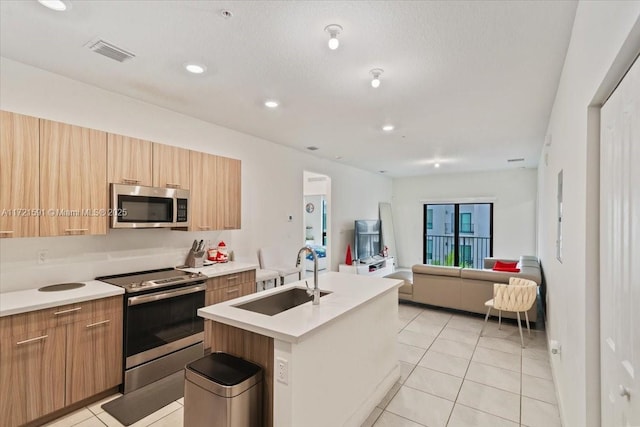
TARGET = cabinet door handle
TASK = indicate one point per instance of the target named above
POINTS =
(232, 291)
(232, 278)
(204, 227)
(71, 310)
(130, 181)
(32, 340)
(76, 230)
(6, 231)
(170, 185)
(92, 325)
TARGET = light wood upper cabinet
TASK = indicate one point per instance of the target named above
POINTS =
(204, 203)
(32, 375)
(73, 180)
(229, 193)
(129, 160)
(171, 166)
(94, 352)
(19, 160)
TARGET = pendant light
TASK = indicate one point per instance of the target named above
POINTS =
(376, 72)
(333, 30)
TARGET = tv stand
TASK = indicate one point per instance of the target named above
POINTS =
(375, 268)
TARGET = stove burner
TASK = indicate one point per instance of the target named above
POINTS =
(150, 279)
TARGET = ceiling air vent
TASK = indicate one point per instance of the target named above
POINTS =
(521, 159)
(110, 51)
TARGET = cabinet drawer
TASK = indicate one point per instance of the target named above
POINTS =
(231, 280)
(24, 323)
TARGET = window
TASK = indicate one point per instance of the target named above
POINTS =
(465, 256)
(465, 223)
(459, 234)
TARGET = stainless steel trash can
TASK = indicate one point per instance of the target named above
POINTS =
(221, 390)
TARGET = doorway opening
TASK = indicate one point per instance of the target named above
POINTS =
(317, 218)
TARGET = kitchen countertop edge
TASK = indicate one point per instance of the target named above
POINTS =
(285, 328)
(18, 302)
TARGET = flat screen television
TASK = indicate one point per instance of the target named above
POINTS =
(367, 238)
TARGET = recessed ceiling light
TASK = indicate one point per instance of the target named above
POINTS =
(338, 157)
(271, 104)
(312, 148)
(382, 171)
(437, 165)
(388, 128)
(226, 14)
(57, 5)
(195, 68)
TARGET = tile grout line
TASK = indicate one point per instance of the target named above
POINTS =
(463, 379)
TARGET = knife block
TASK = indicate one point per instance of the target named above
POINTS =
(195, 259)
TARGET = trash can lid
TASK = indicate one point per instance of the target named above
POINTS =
(224, 368)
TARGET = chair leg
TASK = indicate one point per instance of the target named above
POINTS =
(485, 321)
(500, 319)
(526, 316)
(520, 329)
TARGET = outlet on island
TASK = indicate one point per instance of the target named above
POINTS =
(282, 370)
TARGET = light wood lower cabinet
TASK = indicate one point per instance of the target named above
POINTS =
(32, 375)
(55, 357)
(225, 288)
(94, 356)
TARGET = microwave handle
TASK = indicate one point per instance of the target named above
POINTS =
(143, 299)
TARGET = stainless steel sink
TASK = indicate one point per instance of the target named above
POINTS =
(61, 287)
(277, 303)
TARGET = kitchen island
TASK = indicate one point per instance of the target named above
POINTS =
(325, 365)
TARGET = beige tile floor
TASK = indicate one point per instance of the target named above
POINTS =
(450, 376)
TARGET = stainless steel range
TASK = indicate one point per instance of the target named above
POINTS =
(162, 330)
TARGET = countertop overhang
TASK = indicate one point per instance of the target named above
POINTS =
(348, 291)
(31, 299)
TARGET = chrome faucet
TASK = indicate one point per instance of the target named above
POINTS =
(315, 292)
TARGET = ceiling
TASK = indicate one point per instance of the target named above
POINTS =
(467, 84)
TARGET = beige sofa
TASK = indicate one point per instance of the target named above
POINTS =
(463, 288)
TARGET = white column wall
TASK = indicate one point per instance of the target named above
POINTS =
(600, 31)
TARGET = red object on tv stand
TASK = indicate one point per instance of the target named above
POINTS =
(349, 259)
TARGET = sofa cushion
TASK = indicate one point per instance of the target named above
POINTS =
(407, 276)
(437, 270)
(489, 262)
(486, 275)
(505, 266)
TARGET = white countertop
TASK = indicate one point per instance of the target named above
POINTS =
(222, 268)
(32, 299)
(348, 292)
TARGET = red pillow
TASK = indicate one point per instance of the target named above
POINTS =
(506, 266)
(509, 269)
(499, 265)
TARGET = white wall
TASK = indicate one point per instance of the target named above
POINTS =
(272, 185)
(513, 193)
(599, 32)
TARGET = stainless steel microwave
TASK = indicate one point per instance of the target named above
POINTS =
(137, 206)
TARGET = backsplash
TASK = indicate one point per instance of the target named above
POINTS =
(81, 258)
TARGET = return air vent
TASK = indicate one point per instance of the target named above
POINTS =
(521, 159)
(110, 51)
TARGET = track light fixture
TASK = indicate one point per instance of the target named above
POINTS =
(333, 30)
(376, 72)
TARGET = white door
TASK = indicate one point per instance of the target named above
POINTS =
(620, 254)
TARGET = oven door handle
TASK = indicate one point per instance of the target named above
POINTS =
(143, 299)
